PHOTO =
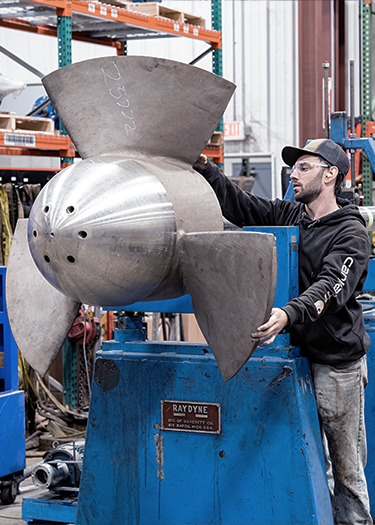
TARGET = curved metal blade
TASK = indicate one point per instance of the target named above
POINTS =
(39, 315)
(128, 104)
(231, 277)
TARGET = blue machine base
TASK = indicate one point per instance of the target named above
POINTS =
(369, 319)
(49, 507)
(12, 433)
(252, 455)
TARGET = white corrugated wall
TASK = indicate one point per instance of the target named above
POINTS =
(260, 56)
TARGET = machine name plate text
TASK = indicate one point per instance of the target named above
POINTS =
(191, 416)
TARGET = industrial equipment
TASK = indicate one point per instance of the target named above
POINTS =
(43, 108)
(185, 447)
(58, 478)
(12, 408)
(61, 468)
(133, 221)
(85, 329)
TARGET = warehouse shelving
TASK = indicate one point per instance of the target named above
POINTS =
(98, 22)
(35, 144)
(95, 22)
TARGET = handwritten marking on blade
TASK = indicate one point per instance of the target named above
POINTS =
(120, 95)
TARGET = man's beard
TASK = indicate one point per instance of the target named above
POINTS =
(311, 191)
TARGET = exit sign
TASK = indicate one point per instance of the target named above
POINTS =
(233, 131)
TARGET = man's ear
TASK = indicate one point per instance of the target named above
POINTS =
(332, 173)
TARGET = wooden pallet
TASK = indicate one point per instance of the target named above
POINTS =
(216, 139)
(35, 124)
(157, 9)
(7, 121)
(13, 122)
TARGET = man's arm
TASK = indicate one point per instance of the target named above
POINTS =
(341, 278)
(342, 275)
(240, 207)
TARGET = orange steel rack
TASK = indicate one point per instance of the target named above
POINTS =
(99, 23)
(35, 144)
(93, 22)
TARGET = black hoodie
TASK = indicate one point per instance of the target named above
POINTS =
(326, 320)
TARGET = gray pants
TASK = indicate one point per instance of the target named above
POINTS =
(339, 392)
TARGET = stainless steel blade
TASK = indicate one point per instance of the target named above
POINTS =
(39, 315)
(231, 277)
(130, 104)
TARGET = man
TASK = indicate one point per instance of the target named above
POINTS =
(326, 320)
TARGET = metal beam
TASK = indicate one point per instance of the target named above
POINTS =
(21, 62)
(202, 55)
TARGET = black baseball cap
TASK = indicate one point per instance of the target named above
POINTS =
(324, 148)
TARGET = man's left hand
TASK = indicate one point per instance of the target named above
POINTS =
(201, 163)
(269, 330)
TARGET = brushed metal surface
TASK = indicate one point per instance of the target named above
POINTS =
(39, 315)
(231, 277)
(104, 231)
(132, 104)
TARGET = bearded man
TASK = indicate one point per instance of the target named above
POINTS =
(326, 319)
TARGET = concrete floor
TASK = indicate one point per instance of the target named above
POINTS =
(12, 514)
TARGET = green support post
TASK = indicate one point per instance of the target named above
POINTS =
(217, 59)
(217, 55)
(69, 373)
(64, 39)
(366, 74)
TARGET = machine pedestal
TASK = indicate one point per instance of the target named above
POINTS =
(168, 442)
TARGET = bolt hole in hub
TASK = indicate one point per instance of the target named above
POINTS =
(70, 209)
(47, 259)
(82, 234)
(71, 259)
(35, 234)
(46, 209)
